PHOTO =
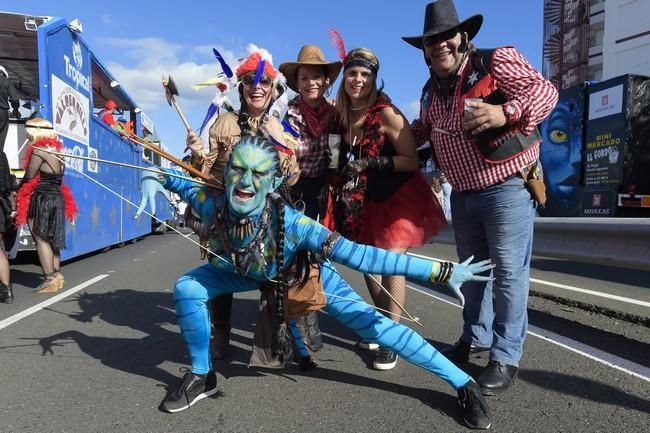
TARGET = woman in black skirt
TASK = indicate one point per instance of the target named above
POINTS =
(44, 202)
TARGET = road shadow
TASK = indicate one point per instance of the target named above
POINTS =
(147, 312)
(584, 389)
(632, 277)
(609, 342)
(615, 344)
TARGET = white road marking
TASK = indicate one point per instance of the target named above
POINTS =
(607, 359)
(19, 316)
(592, 292)
(565, 287)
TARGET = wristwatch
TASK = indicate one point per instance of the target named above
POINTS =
(511, 112)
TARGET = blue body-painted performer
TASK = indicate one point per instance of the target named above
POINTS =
(256, 237)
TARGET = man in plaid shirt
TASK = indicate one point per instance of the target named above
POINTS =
(480, 110)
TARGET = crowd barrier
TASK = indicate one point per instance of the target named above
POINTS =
(612, 241)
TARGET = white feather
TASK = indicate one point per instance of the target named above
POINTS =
(251, 48)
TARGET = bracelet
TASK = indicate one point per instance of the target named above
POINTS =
(329, 244)
(444, 273)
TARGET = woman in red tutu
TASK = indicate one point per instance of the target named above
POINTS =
(382, 199)
(44, 202)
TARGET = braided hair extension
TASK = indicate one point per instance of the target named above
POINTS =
(282, 343)
(243, 115)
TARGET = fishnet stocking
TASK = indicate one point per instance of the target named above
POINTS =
(50, 259)
(396, 286)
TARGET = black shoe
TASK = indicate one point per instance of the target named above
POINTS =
(193, 387)
(6, 294)
(385, 359)
(313, 331)
(459, 352)
(496, 377)
(473, 406)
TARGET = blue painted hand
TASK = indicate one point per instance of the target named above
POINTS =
(467, 271)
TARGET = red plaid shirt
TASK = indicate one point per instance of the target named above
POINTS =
(312, 153)
(533, 97)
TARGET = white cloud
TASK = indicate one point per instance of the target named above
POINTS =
(146, 60)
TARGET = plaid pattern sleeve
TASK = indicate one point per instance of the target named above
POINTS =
(421, 133)
(312, 153)
(533, 96)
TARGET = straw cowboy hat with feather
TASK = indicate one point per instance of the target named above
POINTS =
(441, 16)
(309, 55)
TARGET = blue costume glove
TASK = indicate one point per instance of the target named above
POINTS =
(464, 272)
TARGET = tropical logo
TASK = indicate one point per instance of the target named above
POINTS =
(76, 54)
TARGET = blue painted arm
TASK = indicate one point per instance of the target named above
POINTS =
(197, 197)
(311, 235)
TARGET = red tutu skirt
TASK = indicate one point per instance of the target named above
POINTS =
(408, 218)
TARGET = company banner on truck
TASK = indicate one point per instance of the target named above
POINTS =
(70, 112)
(605, 137)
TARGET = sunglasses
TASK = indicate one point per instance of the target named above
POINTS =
(444, 36)
(265, 80)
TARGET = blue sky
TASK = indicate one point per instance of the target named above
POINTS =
(141, 40)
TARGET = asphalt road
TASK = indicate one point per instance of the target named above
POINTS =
(100, 357)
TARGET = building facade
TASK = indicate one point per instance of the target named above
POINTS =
(595, 40)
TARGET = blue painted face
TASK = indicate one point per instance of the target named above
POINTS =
(561, 153)
(250, 176)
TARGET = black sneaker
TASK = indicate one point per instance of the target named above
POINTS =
(386, 359)
(6, 294)
(193, 387)
(475, 411)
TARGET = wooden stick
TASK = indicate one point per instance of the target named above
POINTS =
(180, 113)
(123, 164)
(169, 157)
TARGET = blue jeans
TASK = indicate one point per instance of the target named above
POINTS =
(496, 223)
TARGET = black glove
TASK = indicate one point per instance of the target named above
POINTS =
(378, 163)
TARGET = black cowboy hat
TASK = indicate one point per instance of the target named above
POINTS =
(441, 16)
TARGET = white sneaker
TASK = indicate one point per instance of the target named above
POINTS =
(367, 345)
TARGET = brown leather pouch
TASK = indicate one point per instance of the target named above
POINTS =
(534, 180)
(307, 297)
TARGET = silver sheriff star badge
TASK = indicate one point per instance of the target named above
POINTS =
(473, 78)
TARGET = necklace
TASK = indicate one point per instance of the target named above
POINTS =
(358, 108)
(252, 251)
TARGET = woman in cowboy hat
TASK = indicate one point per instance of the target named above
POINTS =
(480, 110)
(311, 115)
(384, 200)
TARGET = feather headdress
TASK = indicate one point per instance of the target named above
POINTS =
(224, 81)
(337, 40)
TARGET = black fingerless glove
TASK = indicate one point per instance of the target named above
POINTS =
(382, 164)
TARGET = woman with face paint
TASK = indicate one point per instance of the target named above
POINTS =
(258, 87)
(266, 255)
(383, 199)
(312, 117)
